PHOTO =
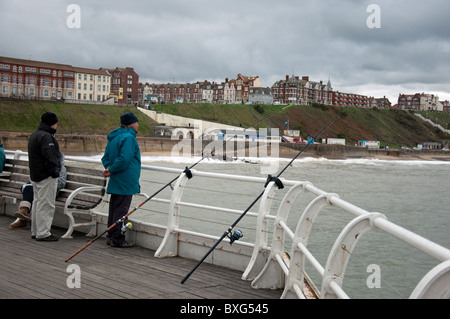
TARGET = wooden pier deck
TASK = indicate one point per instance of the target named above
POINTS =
(37, 270)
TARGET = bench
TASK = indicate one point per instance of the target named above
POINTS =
(83, 194)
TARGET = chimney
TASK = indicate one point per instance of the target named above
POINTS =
(305, 78)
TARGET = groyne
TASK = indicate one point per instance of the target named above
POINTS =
(157, 146)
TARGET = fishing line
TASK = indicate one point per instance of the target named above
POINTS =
(186, 171)
(235, 236)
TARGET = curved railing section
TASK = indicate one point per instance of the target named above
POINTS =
(272, 265)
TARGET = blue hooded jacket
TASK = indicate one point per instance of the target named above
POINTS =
(123, 158)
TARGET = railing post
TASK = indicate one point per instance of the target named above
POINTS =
(435, 284)
(301, 236)
(258, 258)
(169, 245)
(340, 253)
(272, 276)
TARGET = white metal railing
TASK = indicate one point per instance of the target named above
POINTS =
(268, 266)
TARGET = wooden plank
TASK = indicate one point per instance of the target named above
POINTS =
(32, 269)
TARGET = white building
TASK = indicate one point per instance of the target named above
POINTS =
(92, 85)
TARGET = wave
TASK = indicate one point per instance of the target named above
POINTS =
(273, 160)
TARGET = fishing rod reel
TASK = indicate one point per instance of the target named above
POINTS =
(235, 236)
(125, 227)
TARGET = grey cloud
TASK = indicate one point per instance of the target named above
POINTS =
(185, 41)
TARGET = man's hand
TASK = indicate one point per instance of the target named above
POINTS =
(106, 172)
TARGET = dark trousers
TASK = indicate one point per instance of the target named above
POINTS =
(118, 207)
(27, 193)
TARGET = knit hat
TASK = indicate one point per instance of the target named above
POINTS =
(128, 118)
(49, 118)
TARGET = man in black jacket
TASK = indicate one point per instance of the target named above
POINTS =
(44, 161)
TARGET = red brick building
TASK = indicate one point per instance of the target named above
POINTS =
(124, 85)
(294, 90)
(409, 102)
(36, 80)
(350, 99)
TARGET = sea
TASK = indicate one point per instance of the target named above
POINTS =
(411, 193)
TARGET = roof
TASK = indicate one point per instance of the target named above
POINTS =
(51, 65)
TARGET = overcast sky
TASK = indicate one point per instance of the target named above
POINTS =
(406, 49)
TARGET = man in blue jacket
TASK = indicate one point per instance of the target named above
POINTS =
(122, 162)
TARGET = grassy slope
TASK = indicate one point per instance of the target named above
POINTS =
(395, 127)
(24, 116)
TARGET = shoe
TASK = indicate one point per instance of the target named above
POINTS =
(19, 223)
(23, 213)
(108, 241)
(125, 244)
(49, 238)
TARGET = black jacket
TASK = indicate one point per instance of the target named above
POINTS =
(43, 154)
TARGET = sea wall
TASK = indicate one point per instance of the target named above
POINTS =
(95, 144)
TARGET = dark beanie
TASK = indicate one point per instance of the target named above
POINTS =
(49, 118)
(128, 118)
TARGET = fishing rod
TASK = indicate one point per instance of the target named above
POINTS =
(188, 173)
(236, 235)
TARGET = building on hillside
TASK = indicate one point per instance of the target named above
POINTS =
(229, 92)
(381, 103)
(258, 95)
(350, 99)
(36, 80)
(293, 90)
(243, 85)
(218, 92)
(124, 85)
(419, 101)
(92, 85)
(445, 106)
(52, 81)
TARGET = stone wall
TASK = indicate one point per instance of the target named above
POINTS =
(95, 144)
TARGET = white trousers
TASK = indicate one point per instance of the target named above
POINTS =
(43, 208)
